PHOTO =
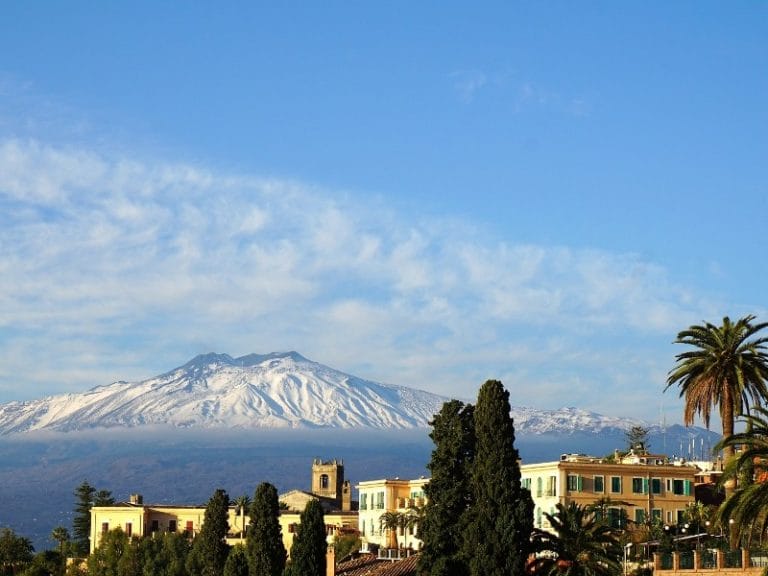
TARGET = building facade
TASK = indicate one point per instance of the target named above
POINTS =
(637, 489)
(139, 520)
(376, 498)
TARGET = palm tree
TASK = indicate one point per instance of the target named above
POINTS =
(391, 521)
(408, 520)
(728, 368)
(242, 503)
(748, 505)
(61, 535)
(579, 545)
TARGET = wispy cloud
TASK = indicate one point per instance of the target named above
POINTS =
(117, 268)
(467, 83)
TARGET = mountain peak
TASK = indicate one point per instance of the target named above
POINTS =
(256, 359)
(275, 390)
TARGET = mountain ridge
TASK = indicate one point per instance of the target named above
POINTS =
(277, 390)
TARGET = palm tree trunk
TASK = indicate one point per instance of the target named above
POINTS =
(728, 417)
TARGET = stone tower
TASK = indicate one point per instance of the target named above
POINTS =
(328, 479)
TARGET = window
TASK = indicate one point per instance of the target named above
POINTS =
(616, 517)
(380, 500)
(616, 484)
(538, 517)
(655, 485)
(155, 526)
(681, 487)
(104, 527)
(575, 483)
(363, 501)
(526, 483)
(599, 483)
(324, 482)
(639, 485)
(656, 516)
(171, 525)
(639, 516)
(128, 529)
(552, 486)
(190, 527)
(539, 490)
(680, 516)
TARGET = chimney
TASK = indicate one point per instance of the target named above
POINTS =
(136, 499)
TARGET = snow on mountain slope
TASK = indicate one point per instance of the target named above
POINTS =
(216, 390)
(278, 390)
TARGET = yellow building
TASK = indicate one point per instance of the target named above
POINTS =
(138, 520)
(377, 497)
(639, 487)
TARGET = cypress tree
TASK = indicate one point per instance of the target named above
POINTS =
(264, 539)
(309, 547)
(209, 549)
(237, 562)
(448, 491)
(500, 520)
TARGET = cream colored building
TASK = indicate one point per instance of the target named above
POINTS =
(641, 488)
(376, 497)
(138, 520)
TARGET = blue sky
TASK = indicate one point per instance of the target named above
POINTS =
(423, 194)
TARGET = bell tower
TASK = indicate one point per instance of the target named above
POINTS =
(328, 479)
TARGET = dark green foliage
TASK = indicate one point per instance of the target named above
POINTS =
(103, 498)
(500, 518)
(45, 563)
(86, 496)
(727, 367)
(15, 552)
(264, 539)
(237, 562)
(637, 439)
(748, 505)
(580, 545)
(81, 521)
(309, 546)
(344, 545)
(105, 559)
(61, 535)
(209, 549)
(448, 491)
(478, 519)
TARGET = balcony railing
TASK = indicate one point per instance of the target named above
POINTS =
(711, 560)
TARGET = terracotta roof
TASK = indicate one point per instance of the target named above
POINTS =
(370, 565)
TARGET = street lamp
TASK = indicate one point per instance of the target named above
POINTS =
(730, 532)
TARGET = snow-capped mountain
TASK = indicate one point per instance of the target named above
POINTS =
(277, 391)
(216, 390)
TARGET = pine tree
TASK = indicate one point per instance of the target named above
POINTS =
(448, 491)
(497, 536)
(264, 539)
(209, 549)
(309, 547)
(81, 521)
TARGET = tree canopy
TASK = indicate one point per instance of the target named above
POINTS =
(266, 553)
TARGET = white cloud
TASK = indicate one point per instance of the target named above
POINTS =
(113, 266)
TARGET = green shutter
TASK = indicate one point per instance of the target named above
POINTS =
(645, 485)
(580, 483)
(687, 487)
